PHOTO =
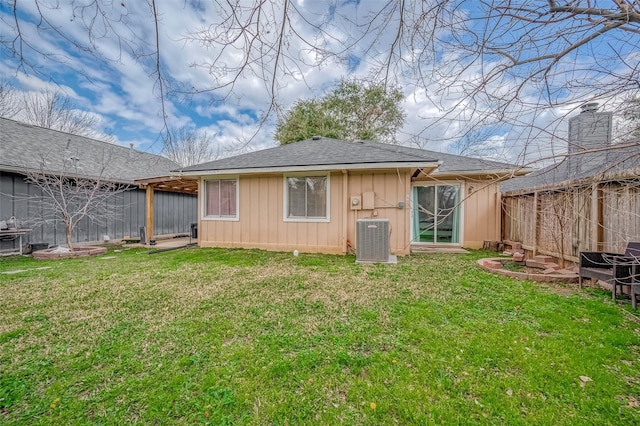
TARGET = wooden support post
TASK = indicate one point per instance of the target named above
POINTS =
(149, 213)
(503, 218)
(536, 222)
(499, 216)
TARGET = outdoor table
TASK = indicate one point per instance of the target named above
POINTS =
(12, 234)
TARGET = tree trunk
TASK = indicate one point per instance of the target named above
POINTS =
(69, 230)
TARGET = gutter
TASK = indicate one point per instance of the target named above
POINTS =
(23, 171)
(321, 167)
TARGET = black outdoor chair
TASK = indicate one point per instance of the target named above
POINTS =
(614, 268)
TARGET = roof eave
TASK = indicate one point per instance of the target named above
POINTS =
(25, 171)
(312, 168)
(496, 173)
(631, 173)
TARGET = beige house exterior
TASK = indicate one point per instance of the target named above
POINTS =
(308, 196)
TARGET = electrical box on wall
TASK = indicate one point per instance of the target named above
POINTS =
(356, 202)
(368, 200)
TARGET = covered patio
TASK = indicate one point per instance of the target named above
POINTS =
(184, 185)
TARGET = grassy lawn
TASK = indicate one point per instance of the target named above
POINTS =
(212, 336)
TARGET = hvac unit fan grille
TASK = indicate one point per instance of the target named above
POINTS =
(372, 240)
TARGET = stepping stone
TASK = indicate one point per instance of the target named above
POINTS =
(533, 264)
(493, 264)
(551, 265)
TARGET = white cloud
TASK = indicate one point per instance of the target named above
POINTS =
(124, 91)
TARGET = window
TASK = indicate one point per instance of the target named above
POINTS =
(221, 199)
(307, 198)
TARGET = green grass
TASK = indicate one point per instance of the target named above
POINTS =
(212, 336)
(510, 265)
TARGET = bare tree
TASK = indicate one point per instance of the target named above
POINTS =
(509, 58)
(480, 63)
(186, 146)
(631, 116)
(478, 144)
(9, 106)
(55, 110)
(67, 197)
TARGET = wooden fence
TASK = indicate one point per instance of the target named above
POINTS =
(562, 222)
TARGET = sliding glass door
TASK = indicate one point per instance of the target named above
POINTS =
(436, 214)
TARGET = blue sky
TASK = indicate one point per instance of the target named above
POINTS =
(120, 88)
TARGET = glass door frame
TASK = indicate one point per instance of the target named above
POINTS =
(461, 192)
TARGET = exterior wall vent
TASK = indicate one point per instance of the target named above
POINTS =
(372, 240)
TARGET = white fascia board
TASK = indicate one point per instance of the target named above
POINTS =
(315, 168)
(516, 171)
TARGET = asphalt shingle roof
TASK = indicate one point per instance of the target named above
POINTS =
(330, 152)
(23, 147)
(616, 161)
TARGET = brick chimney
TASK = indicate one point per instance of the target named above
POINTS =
(588, 131)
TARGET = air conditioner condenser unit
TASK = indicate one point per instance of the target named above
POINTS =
(372, 240)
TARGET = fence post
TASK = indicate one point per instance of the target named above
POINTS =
(596, 216)
(536, 222)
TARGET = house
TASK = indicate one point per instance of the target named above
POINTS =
(588, 201)
(25, 148)
(307, 196)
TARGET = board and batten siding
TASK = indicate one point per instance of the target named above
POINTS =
(174, 213)
(261, 221)
(481, 213)
(389, 188)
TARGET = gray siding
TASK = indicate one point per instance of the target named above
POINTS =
(174, 214)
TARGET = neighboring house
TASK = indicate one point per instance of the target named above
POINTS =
(588, 201)
(25, 148)
(308, 195)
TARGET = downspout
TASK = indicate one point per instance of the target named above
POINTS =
(345, 209)
(408, 193)
(200, 210)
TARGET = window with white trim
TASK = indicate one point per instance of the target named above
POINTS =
(307, 198)
(221, 198)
